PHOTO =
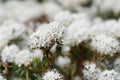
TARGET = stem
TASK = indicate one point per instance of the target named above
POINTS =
(94, 58)
(47, 53)
(101, 59)
(27, 74)
(48, 62)
(5, 65)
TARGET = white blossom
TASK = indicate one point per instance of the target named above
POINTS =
(40, 38)
(50, 9)
(52, 75)
(2, 78)
(105, 44)
(109, 27)
(91, 72)
(77, 32)
(63, 17)
(22, 11)
(11, 30)
(9, 53)
(57, 31)
(63, 61)
(106, 6)
(109, 75)
(24, 57)
(43, 37)
(65, 49)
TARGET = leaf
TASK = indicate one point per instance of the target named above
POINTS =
(44, 61)
(38, 77)
(59, 68)
(22, 72)
(73, 70)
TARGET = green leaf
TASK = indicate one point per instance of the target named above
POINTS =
(59, 69)
(44, 62)
(38, 77)
(73, 70)
(22, 72)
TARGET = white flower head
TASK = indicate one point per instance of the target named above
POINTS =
(11, 30)
(108, 75)
(53, 31)
(9, 53)
(50, 9)
(24, 57)
(91, 71)
(65, 49)
(57, 31)
(63, 61)
(106, 6)
(77, 32)
(22, 11)
(40, 38)
(63, 17)
(105, 44)
(109, 27)
(15, 29)
(52, 75)
(2, 78)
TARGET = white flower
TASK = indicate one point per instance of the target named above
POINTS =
(91, 72)
(105, 44)
(43, 37)
(11, 30)
(106, 6)
(63, 61)
(14, 28)
(24, 57)
(2, 78)
(77, 32)
(40, 38)
(63, 17)
(9, 53)
(109, 27)
(97, 20)
(65, 49)
(80, 16)
(52, 75)
(22, 11)
(57, 31)
(108, 75)
(50, 9)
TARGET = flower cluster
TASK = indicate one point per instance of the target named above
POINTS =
(92, 72)
(52, 75)
(60, 39)
(42, 38)
(105, 44)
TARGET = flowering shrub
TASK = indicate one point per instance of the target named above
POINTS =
(60, 40)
